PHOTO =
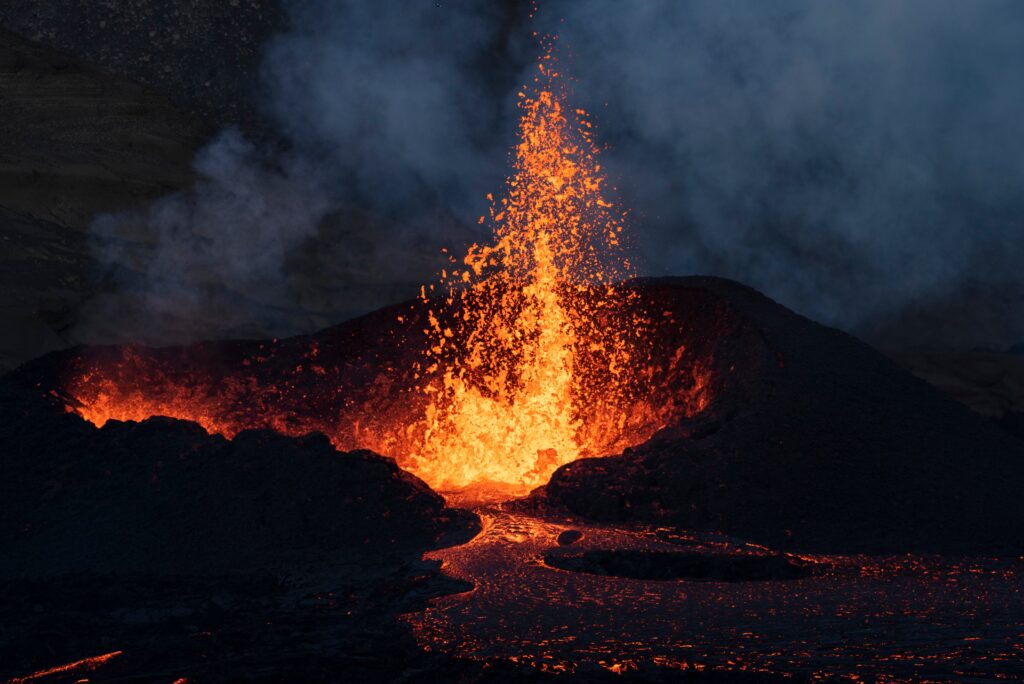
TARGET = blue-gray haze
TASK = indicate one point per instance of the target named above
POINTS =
(859, 161)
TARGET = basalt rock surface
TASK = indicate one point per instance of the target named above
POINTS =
(164, 497)
(666, 566)
(812, 441)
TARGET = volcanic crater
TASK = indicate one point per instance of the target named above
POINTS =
(771, 427)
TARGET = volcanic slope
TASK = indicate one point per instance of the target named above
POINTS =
(164, 497)
(811, 441)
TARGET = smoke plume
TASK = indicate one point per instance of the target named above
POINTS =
(861, 162)
(853, 160)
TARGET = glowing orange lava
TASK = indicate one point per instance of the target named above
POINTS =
(544, 330)
(84, 665)
(529, 354)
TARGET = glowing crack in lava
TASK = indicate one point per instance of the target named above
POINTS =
(529, 353)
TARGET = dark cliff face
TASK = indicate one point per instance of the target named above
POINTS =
(812, 441)
(102, 118)
(79, 140)
(104, 108)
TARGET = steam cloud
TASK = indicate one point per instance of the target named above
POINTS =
(855, 160)
(218, 249)
(861, 162)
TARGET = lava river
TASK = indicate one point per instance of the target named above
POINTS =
(846, 616)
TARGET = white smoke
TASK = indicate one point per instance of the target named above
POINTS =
(857, 161)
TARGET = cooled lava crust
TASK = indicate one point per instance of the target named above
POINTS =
(163, 497)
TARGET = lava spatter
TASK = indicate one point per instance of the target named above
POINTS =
(535, 372)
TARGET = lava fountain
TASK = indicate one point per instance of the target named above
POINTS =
(545, 331)
(530, 352)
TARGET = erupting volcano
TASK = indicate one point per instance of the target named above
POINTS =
(528, 354)
(674, 476)
(545, 466)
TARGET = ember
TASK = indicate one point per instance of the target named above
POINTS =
(79, 666)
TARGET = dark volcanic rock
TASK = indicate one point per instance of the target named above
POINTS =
(569, 537)
(812, 441)
(667, 565)
(988, 382)
(205, 56)
(164, 497)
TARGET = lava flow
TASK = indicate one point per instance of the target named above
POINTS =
(956, 618)
(530, 352)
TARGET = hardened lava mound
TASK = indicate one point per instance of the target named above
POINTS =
(752, 421)
(811, 441)
(164, 497)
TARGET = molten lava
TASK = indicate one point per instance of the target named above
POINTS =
(530, 353)
(532, 374)
(79, 666)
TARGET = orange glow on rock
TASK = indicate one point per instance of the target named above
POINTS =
(83, 665)
(530, 353)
